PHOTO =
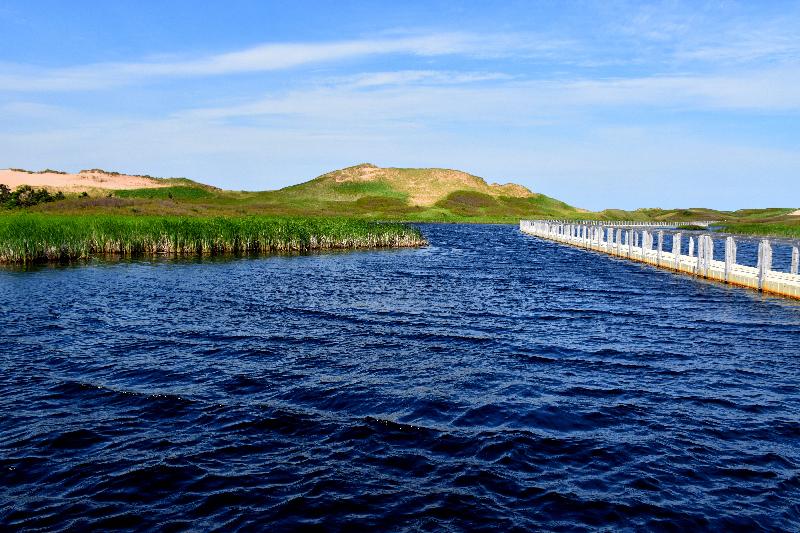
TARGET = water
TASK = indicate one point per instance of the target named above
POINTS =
(491, 380)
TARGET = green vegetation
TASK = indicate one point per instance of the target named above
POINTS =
(45, 171)
(368, 188)
(484, 207)
(180, 192)
(371, 193)
(788, 228)
(31, 238)
(26, 196)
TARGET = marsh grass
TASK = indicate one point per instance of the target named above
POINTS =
(34, 238)
(787, 228)
(177, 193)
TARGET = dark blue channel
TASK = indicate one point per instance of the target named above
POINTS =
(489, 381)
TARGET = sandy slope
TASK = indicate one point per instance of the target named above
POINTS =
(795, 213)
(424, 186)
(86, 180)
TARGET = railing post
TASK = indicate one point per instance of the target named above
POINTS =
(676, 248)
(660, 245)
(795, 259)
(730, 257)
(630, 241)
(701, 253)
(764, 262)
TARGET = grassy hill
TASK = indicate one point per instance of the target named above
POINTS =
(422, 187)
(419, 194)
(366, 191)
(407, 194)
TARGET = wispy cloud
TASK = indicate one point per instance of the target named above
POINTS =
(428, 77)
(714, 34)
(265, 57)
(758, 90)
(425, 95)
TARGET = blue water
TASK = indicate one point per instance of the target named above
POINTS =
(491, 380)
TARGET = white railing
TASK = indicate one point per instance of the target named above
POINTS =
(634, 223)
(623, 240)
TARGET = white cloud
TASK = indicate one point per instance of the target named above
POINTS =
(28, 110)
(413, 96)
(403, 77)
(765, 90)
(266, 57)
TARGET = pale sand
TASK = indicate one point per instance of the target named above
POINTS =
(795, 213)
(425, 186)
(83, 181)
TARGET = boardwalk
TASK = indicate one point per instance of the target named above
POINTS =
(633, 223)
(642, 245)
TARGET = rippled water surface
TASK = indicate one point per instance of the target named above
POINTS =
(490, 380)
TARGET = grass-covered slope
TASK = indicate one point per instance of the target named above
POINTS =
(422, 187)
(778, 223)
(421, 194)
(689, 214)
(30, 238)
(178, 192)
(364, 191)
(774, 221)
(408, 194)
(468, 204)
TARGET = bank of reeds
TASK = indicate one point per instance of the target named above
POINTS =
(32, 238)
(788, 229)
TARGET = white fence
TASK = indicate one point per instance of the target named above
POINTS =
(623, 240)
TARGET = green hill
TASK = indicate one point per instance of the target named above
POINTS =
(410, 194)
(422, 187)
(367, 191)
(419, 194)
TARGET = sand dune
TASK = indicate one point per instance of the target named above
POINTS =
(795, 213)
(424, 186)
(85, 180)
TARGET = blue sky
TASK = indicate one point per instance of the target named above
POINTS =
(601, 104)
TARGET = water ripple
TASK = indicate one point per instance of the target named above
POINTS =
(489, 381)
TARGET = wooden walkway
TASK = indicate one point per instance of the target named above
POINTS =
(621, 240)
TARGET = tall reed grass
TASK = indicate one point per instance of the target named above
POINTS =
(789, 228)
(31, 237)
